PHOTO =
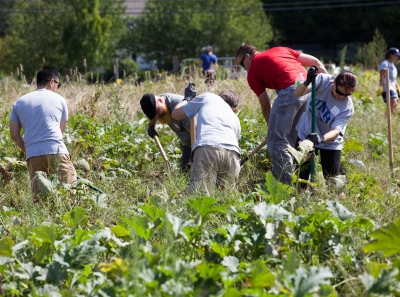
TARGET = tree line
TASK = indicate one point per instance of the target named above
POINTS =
(84, 35)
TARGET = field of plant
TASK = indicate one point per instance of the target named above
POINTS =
(145, 236)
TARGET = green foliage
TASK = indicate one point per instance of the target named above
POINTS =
(84, 32)
(386, 239)
(371, 54)
(182, 30)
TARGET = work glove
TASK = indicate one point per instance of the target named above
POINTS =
(311, 74)
(190, 91)
(151, 131)
(315, 138)
(379, 91)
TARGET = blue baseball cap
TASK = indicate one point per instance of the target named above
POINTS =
(393, 51)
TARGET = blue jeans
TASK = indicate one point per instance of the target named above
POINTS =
(285, 114)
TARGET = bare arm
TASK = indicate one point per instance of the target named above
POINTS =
(301, 90)
(63, 125)
(308, 60)
(331, 135)
(265, 105)
(153, 122)
(178, 113)
(381, 76)
(15, 133)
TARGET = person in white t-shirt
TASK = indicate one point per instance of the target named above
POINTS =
(334, 108)
(43, 114)
(391, 57)
(216, 150)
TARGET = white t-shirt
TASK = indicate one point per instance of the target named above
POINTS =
(392, 75)
(330, 113)
(217, 124)
(40, 113)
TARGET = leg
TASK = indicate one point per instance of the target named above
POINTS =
(330, 162)
(184, 161)
(37, 163)
(284, 110)
(203, 173)
(229, 169)
(393, 104)
(66, 169)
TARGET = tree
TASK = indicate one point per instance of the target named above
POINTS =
(332, 22)
(62, 34)
(181, 28)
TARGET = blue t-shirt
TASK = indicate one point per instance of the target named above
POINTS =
(40, 113)
(217, 124)
(208, 60)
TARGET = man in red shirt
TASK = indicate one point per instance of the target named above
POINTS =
(278, 68)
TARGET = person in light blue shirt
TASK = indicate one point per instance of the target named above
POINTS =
(43, 114)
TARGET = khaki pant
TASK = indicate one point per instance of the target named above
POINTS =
(51, 164)
(213, 167)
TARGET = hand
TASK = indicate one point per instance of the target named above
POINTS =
(311, 74)
(190, 91)
(151, 131)
(379, 91)
(315, 138)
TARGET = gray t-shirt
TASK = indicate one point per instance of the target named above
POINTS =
(330, 113)
(392, 75)
(217, 124)
(40, 113)
(180, 127)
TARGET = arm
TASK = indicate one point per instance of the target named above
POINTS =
(153, 122)
(301, 90)
(331, 135)
(308, 60)
(178, 113)
(381, 76)
(15, 133)
(265, 105)
(63, 125)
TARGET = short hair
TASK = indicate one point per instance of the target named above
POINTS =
(230, 97)
(46, 74)
(245, 48)
(346, 79)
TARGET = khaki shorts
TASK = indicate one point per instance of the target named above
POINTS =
(51, 164)
(213, 167)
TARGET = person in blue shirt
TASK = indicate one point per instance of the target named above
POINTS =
(209, 63)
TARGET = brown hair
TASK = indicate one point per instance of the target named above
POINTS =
(230, 97)
(245, 48)
(346, 79)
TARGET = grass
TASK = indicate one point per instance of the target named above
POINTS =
(107, 129)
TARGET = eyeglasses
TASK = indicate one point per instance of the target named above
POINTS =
(58, 84)
(340, 93)
(242, 60)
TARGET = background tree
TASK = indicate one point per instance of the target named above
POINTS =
(332, 22)
(61, 34)
(182, 28)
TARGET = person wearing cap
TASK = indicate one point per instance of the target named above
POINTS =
(43, 115)
(278, 68)
(391, 56)
(216, 150)
(159, 109)
(209, 63)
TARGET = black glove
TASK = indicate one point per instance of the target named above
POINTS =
(315, 138)
(151, 131)
(190, 91)
(311, 74)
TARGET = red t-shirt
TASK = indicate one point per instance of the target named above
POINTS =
(276, 68)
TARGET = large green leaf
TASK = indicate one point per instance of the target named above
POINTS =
(273, 191)
(271, 211)
(339, 210)
(205, 206)
(46, 233)
(380, 285)
(387, 239)
(261, 276)
(303, 283)
(304, 151)
(6, 245)
(46, 186)
(76, 217)
(231, 263)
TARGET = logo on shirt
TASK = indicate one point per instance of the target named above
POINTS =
(324, 110)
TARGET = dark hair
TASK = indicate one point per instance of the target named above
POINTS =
(230, 97)
(245, 48)
(46, 74)
(346, 79)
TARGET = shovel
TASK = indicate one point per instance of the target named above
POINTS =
(253, 152)
(162, 153)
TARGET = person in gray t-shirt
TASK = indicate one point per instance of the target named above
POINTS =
(334, 108)
(43, 114)
(159, 108)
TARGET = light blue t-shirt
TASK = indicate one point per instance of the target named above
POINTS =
(40, 113)
(392, 75)
(217, 124)
(330, 113)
